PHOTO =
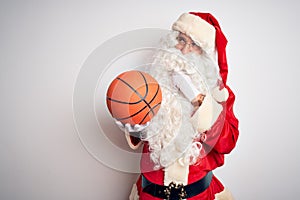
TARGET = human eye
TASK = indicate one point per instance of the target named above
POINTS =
(194, 44)
(181, 40)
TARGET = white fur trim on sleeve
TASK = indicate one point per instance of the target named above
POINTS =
(206, 115)
(201, 32)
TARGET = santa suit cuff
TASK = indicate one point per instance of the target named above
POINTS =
(206, 115)
(133, 142)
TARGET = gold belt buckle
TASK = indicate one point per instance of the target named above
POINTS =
(173, 186)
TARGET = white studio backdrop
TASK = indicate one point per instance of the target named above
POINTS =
(43, 46)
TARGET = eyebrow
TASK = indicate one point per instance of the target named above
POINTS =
(186, 38)
(182, 35)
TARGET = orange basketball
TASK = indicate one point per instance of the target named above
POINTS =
(133, 97)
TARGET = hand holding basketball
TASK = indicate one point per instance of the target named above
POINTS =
(137, 128)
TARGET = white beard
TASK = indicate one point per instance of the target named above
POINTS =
(171, 135)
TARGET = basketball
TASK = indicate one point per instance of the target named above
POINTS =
(133, 97)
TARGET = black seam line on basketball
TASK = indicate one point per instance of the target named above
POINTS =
(141, 108)
(148, 104)
(118, 101)
(141, 97)
(148, 113)
(153, 99)
(122, 102)
(151, 109)
(132, 115)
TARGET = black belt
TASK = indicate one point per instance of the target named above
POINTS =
(174, 191)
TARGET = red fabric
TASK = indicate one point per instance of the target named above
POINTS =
(196, 172)
(221, 43)
(224, 134)
(221, 138)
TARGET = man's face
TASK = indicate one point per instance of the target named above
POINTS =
(187, 45)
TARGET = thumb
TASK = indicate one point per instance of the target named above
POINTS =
(120, 124)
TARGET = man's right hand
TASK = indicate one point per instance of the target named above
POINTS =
(128, 128)
(132, 133)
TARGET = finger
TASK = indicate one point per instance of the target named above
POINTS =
(120, 124)
(140, 127)
(128, 127)
(137, 127)
(148, 123)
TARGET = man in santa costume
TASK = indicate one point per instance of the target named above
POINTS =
(195, 126)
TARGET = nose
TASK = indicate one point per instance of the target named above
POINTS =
(186, 49)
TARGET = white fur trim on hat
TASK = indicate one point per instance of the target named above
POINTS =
(201, 32)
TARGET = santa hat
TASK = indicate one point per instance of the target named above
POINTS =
(205, 31)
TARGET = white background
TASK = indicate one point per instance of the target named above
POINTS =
(43, 45)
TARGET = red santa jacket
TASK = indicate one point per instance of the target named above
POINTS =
(221, 139)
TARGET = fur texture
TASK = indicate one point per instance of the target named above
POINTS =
(172, 134)
(202, 33)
